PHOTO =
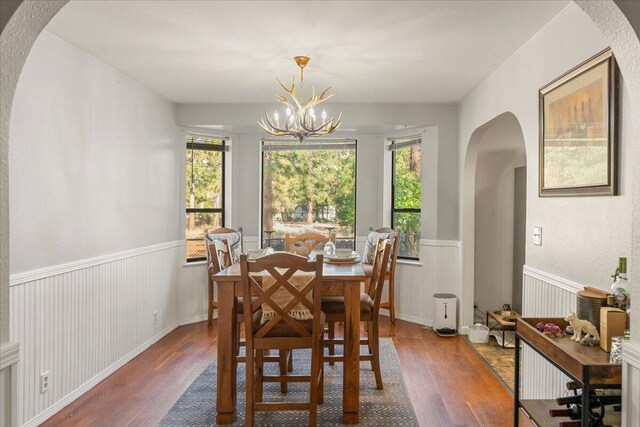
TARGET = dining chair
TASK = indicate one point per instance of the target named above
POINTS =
(286, 329)
(304, 243)
(219, 258)
(370, 305)
(226, 256)
(235, 238)
(390, 272)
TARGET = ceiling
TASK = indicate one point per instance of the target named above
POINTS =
(369, 51)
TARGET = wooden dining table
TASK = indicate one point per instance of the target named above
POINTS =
(338, 280)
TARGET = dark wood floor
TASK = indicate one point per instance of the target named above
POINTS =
(448, 383)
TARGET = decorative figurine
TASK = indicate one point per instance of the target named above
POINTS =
(579, 326)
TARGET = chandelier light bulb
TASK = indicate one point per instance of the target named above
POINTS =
(288, 112)
(324, 115)
(275, 116)
(312, 113)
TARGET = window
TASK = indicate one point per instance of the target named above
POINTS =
(406, 194)
(308, 187)
(204, 192)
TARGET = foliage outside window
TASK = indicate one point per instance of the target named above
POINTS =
(204, 192)
(407, 196)
(308, 188)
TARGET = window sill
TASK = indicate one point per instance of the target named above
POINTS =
(194, 264)
(409, 262)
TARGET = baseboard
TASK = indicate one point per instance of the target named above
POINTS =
(411, 319)
(30, 276)
(54, 409)
(196, 319)
(552, 279)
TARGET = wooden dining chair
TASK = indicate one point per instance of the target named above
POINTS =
(390, 272)
(219, 254)
(282, 331)
(370, 305)
(235, 238)
(309, 240)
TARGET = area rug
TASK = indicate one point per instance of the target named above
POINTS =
(388, 407)
(500, 360)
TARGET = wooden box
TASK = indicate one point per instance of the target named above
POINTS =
(613, 322)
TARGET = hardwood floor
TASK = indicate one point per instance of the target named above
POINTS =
(448, 383)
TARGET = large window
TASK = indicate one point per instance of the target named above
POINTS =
(205, 191)
(406, 194)
(308, 187)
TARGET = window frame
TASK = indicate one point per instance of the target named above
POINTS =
(395, 210)
(223, 148)
(261, 237)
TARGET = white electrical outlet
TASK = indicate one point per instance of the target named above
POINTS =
(537, 236)
(44, 381)
(155, 317)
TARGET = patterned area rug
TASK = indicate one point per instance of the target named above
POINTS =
(501, 360)
(388, 407)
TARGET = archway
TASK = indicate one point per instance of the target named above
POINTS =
(503, 135)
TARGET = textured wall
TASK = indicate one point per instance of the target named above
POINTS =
(94, 157)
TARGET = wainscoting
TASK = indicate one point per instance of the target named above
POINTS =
(631, 384)
(82, 321)
(544, 295)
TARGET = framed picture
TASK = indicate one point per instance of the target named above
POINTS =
(578, 123)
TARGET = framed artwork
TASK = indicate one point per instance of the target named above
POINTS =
(578, 123)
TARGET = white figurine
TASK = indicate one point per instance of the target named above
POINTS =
(580, 326)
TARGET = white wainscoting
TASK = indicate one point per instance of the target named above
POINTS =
(631, 384)
(544, 295)
(82, 321)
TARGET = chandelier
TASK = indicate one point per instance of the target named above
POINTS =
(300, 119)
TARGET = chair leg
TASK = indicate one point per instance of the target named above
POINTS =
(392, 305)
(211, 303)
(321, 381)
(332, 336)
(368, 329)
(250, 389)
(258, 380)
(290, 363)
(374, 342)
(283, 370)
(315, 371)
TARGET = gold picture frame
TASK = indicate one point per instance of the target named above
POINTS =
(578, 131)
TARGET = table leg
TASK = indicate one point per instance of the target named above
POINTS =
(351, 380)
(227, 359)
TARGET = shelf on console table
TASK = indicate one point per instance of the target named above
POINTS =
(586, 365)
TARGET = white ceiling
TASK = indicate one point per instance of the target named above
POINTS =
(369, 51)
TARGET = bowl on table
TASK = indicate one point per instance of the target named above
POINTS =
(344, 253)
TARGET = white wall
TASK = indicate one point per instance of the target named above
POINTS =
(93, 158)
(95, 222)
(501, 151)
(582, 236)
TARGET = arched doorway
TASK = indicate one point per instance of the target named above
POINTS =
(495, 150)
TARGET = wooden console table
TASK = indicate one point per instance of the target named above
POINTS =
(588, 366)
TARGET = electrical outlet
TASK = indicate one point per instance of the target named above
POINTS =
(155, 317)
(44, 381)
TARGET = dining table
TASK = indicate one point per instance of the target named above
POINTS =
(339, 279)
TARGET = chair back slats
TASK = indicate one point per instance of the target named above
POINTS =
(394, 246)
(236, 247)
(281, 267)
(380, 262)
(218, 256)
(309, 239)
